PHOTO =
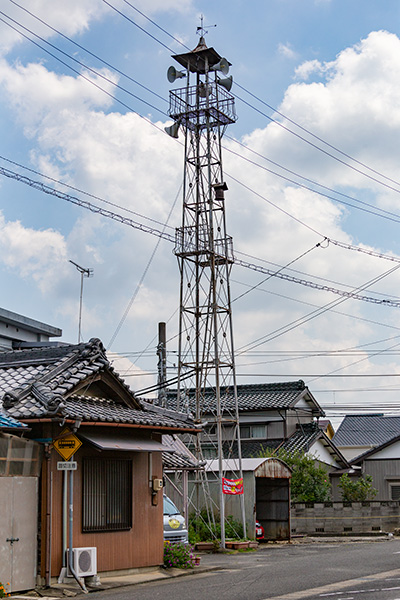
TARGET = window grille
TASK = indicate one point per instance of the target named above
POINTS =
(395, 491)
(107, 494)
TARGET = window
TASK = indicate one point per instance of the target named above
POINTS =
(258, 431)
(395, 490)
(19, 456)
(252, 431)
(107, 494)
(245, 431)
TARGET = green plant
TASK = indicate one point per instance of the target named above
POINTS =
(310, 480)
(179, 555)
(201, 531)
(357, 490)
(3, 591)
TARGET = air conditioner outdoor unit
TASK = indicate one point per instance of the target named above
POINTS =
(84, 561)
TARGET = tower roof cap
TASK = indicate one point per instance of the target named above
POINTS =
(197, 59)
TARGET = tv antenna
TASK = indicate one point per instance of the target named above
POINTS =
(84, 273)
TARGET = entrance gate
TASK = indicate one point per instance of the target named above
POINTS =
(18, 532)
(273, 507)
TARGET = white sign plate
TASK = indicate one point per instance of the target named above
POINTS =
(67, 466)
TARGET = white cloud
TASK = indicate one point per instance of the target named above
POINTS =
(39, 96)
(123, 158)
(287, 51)
(308, 68)
(72, 17)
(34, 254)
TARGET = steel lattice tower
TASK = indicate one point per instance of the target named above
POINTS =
(206, 362)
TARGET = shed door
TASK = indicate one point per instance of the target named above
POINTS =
(273, 507)
(18, 534)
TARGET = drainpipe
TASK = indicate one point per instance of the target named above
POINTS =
(49, 482)
(71, 522)
(63, 572)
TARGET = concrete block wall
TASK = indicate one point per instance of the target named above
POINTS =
(345, 517)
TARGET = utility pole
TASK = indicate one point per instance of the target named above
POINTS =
(206, 364)
(162, 364)
(84, 273)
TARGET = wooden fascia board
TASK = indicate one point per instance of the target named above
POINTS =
(113, 382)
(155, 428)
(309, 398)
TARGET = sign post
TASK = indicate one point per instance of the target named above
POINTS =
(70, 465)
(66, 444)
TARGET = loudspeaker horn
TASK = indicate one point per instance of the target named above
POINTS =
(173, 74)
(226, 82)
(172, 130)
(204, 90)
(222, 66)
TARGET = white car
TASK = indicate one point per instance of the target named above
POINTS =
(174, 524)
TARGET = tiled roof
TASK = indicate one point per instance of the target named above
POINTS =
(366, 430)
(48, 381)
(10, 423)
(34, 382)
(104, 410)
(265, 396)
(303, 438)
(180, 457)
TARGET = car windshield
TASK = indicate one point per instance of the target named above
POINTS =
(169, 507)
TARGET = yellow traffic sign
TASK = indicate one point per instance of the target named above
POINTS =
(67, 444)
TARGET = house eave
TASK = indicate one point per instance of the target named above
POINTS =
(113, 424)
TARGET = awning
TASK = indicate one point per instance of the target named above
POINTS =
(115, 441)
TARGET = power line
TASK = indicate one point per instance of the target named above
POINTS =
(319, 278)
(379, 212)
(97, 73)
(316, 136)
(262, 113)
(135, 293)
(342, 162)
(276, 273)
(316, 313)
(383, 213)
(317, 286)
(166, 236)
(89, 51)
(80, 191)
(85, 204)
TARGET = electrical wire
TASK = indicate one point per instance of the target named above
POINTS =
(276, 273)
(377, 211)
(97, 73)
(80, 191)
(382, 213)
(276, 111)
(160, 97)
(135, 293)
(127, 221)
(96, 56)
(306, 318)
(264, 114)
(350, 157)
(319, 278)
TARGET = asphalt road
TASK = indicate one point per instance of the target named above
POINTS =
(328, 571)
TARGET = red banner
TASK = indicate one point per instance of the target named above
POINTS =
(232, 486)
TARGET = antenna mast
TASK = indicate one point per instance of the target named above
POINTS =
(203, 109)
(84, 273)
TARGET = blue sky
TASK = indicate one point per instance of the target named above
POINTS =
(332, 70)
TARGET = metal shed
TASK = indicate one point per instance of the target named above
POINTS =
(266, 494)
